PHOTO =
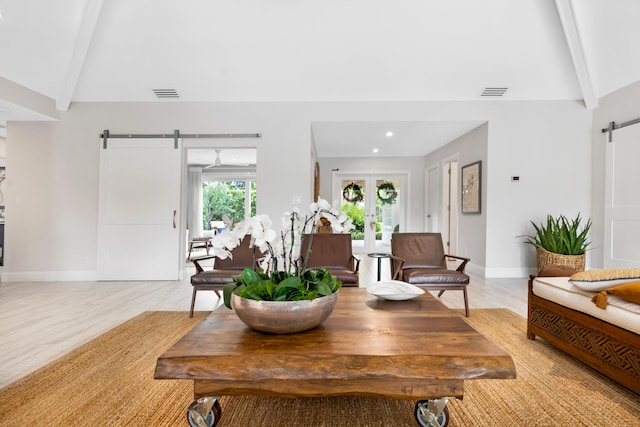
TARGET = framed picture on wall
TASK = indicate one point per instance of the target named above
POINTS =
(471, 177)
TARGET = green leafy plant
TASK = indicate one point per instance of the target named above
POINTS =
(282, 286)
(561, 235)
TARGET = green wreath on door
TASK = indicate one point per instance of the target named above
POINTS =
(387, 193)
(352, 193)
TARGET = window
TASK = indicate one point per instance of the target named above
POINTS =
(235, 198)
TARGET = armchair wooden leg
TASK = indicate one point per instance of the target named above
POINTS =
(193, 301)
(466, 302)
(440, 294)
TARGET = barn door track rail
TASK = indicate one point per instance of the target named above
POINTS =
(176, 135)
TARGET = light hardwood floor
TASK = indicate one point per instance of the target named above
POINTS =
(42, 321)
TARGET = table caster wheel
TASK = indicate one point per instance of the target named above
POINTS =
(196, 412)
(432, 413)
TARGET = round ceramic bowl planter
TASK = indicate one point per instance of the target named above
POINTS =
(283, 317)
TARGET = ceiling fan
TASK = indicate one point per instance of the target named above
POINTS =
(217, 163)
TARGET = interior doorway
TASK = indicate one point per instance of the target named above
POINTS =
(220, 180)
(377, 205)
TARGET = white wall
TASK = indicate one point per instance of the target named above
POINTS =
(53, 190)
(472, 228)
(620, 106)
(3, 150)
(53, 179)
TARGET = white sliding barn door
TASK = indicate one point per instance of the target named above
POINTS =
(622, 199)
(138, 215)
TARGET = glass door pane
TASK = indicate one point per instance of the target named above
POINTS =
(387, 210)
(352, 202)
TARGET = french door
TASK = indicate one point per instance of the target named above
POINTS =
(375, 203)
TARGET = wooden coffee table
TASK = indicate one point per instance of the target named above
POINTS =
(415, 349)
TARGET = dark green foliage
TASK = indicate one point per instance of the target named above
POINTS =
(355, 211)
(561, 235)
(281, 286)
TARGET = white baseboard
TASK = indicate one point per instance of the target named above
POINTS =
(504, 273)
(475, 269)
(48, 276)
(498, 273)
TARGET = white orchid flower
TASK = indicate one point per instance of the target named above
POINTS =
(281, 251)
(227, 239)
(348, 225)
(221, 253)
(277, 248)
(254, 225)
(265, 221)
(241, 229)
(324, 204)
(263, 236)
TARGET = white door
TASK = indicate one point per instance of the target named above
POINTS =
(138, 214)
(450, 196)
(432, 208)
(454, 196)
(376, 202)
(622, 199)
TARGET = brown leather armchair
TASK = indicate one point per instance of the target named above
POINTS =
(419, 259)
(333, 252)
(223, 270)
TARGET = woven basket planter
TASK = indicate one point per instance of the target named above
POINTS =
(545, 258)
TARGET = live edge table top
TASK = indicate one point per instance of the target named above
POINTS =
(414, 349)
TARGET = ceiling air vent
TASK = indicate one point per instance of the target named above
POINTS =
(494, 91)
(166, 93)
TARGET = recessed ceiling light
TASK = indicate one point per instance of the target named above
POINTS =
(375, 150)
(389, 134)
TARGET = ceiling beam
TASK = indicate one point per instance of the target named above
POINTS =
(91, 15)
(571, 33)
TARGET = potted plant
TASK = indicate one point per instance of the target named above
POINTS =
(272, 298)
(560, 241)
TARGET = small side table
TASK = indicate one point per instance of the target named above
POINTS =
(379, 256)
(199, 243)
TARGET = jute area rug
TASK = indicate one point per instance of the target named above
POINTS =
(109, 382)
